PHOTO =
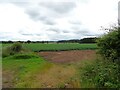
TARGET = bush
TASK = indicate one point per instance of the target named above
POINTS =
(16, 47)
(109, 45)
(11, 50)
(103, 74)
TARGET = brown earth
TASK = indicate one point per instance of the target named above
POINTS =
(7, 79)
(68, 56)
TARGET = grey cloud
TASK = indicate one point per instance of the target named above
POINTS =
(27, 34)
(59, 31)
(59, 7)
(93, 34)
(49, 22)
(76, 28)
(34, 14)
(38, 34)
(54, 30)
(37, 16)
(80, 30)
(46, 12)
(66, 31)
(58, 36)
(83, 32)
(21, 3)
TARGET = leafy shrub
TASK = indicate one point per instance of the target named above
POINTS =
(107, 76)
(16, 47)
(109, 45)
(11, 50)
(102, 74)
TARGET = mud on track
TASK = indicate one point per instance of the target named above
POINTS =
(68, 56)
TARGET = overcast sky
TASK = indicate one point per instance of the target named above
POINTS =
(55, 19)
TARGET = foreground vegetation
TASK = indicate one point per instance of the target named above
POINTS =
(105, 71)
(24, 68)
(99, 73)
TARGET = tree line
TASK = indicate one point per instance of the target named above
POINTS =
(84, 40)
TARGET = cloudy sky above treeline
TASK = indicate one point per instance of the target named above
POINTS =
(55, 19)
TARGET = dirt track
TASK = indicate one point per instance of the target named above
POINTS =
(68, 56)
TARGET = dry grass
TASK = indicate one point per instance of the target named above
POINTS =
(56, 76)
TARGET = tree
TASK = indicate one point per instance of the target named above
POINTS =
(88, 40)
(28, 41)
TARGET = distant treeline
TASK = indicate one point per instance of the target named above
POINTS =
(84, 40)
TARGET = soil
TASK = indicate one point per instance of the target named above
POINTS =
(68, 56)
(7, 79)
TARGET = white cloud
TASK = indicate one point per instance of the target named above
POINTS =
(56, 19)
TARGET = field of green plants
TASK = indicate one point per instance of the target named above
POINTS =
(56, 47)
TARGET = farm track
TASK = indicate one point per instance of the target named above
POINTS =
(68, 56)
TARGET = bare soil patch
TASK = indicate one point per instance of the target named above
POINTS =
(68, 56)
(7, 79)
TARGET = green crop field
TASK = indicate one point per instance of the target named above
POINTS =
(56, 47)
